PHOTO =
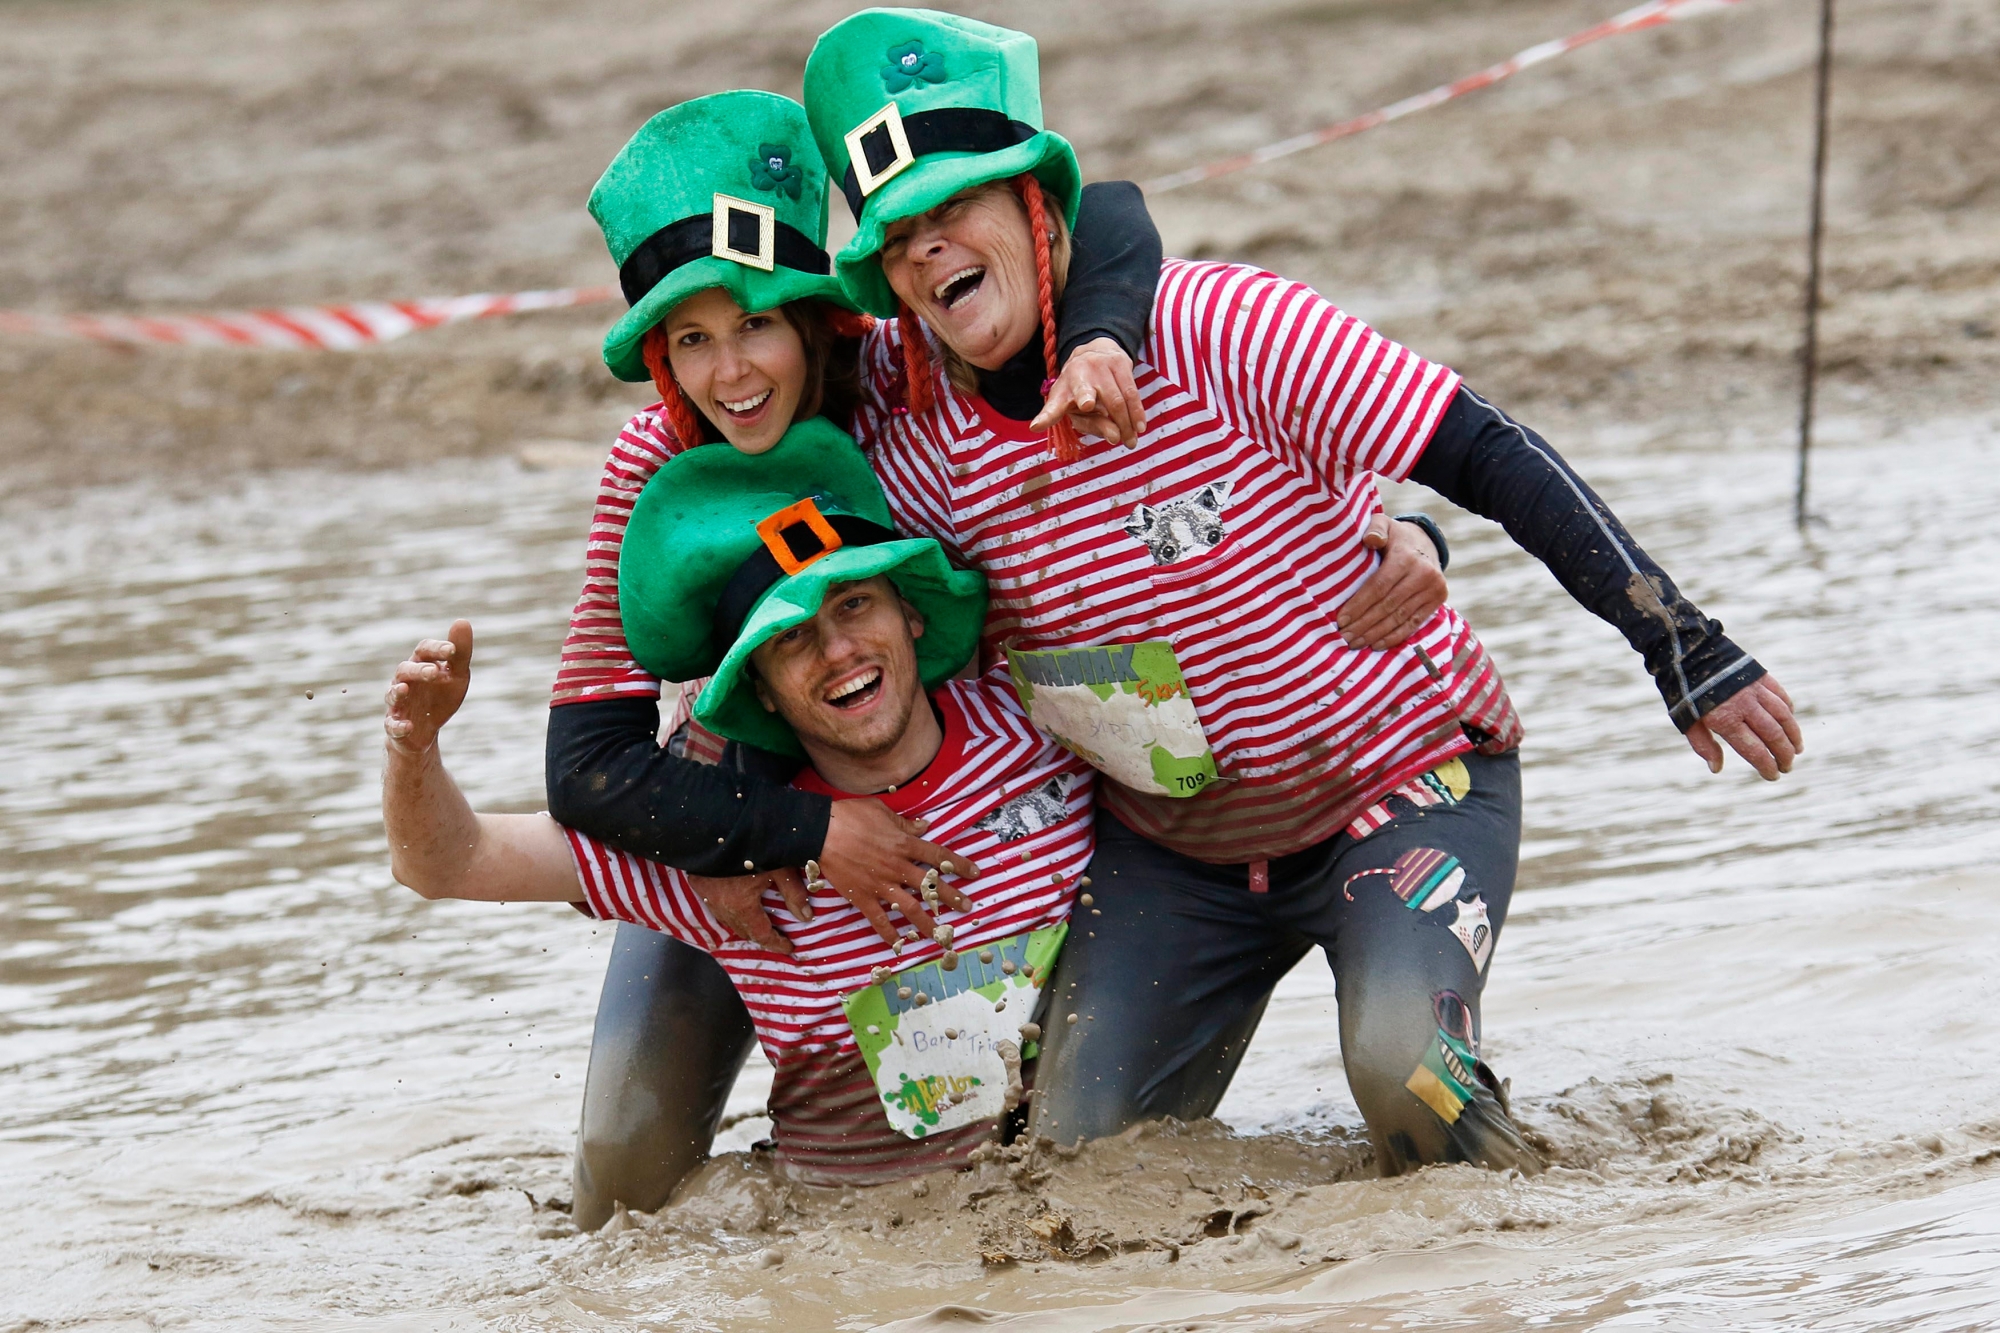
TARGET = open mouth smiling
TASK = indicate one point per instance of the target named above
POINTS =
(746, 407)
(959, 287)
(856, 690)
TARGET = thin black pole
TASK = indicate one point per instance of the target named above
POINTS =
(1809, 386)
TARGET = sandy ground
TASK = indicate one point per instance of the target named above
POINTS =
(1610, 241)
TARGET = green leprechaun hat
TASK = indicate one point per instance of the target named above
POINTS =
(910, 106)
(723, 191)
(726, 550)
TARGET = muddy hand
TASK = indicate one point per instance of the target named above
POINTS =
(1405, 590)
(428, 688)
(738, 903)
(1096, 391)
(1758, 723)
(876, 860)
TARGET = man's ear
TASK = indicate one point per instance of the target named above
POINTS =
(763, 695)
(912, 617)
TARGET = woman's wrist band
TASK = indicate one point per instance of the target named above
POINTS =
(1434, 532)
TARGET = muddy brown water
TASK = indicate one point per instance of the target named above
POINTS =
(249, 1081)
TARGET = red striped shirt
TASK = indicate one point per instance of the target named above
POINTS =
(596, 664)
(992, 767)
(1233, 530)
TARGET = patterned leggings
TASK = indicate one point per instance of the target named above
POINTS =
(1170, 981)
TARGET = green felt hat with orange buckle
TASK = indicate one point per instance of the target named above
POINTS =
(910, 106)
(726, 550)
(723, 191)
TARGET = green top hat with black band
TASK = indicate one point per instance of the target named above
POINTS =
(723, 191)
(910, 106)
(726, 550)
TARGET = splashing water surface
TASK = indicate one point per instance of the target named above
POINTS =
(252, 1081)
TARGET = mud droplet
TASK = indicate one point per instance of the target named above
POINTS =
(880, 975)
(812, 869)
(1086, 881)
(902, 992)
(1072, 1018)
(942, 935)
(1024, 856)
(949, 962)
(1031, 1032)
(985, 955)
(951, 1034)
(944, 867)
(874, 1031)
(1055, 878)
(923, 998)
(771, 1257)
(1097, 911)
(1086, 900)
(1007, 966)
(309, 694)
(1000, 1005)
(749, 865)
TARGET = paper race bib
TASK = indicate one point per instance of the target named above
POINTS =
(1123, 708)
(935, 1063)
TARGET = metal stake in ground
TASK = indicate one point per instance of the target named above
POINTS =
(1809, 381)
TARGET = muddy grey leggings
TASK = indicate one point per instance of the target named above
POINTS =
(1168, 984)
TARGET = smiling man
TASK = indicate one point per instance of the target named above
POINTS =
(832, 640)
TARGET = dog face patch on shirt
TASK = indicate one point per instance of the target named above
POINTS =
(1031, 811)
(1182, 528)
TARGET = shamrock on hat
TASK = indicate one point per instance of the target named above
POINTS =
(772, 169)
(658, 200)
(909, 64)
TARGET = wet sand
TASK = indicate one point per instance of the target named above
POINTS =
(252, 1082)
(1615, 238)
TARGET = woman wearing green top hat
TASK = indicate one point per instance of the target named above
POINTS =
(1309, 785)
(716, 214)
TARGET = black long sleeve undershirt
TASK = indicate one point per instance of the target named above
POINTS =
(1482, 460)
(608, 776)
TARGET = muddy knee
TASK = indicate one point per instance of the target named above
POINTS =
(1433, 1100)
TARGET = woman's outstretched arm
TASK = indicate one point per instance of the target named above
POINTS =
(1482, 460)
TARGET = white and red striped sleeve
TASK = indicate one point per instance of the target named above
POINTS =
(1298, 373)
(618, 886)
(908, 460)
(596, 663)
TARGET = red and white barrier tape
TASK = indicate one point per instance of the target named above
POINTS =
(343, 327)
(337, 327)
(1650, 15)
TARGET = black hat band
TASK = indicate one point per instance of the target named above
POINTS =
(950, 129)
(756, 575)
(693, 238)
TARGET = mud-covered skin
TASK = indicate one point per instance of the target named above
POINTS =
(1168, 983)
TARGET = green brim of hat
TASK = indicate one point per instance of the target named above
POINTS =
(752, 288)
(951, 601)
(934, 178)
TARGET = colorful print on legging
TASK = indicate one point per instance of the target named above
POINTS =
(1444, 1080)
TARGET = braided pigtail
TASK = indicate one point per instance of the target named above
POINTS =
(1062, 435)
(680, 412)
(848, 323)
(919, 392)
